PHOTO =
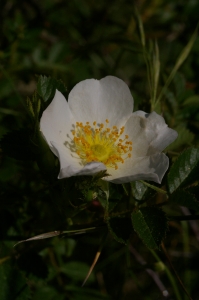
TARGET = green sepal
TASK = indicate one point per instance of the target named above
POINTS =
(150, 223)
(30, 107)
(120, 228)
(184, 170)
(34, 106)
(184, 198)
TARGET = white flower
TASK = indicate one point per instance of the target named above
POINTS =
(96, 130)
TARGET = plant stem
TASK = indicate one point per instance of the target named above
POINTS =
(153, 187)
(175, 272)
(169, 275)
(185, 236)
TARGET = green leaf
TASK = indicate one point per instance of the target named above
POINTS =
(13, 285)
(150, 223)
(184, 170)
(192, 100)
(47, 86)
(76, 271)
(16, 144)
(120, 228)
(184, 198)
(60, 86)
(140, 191)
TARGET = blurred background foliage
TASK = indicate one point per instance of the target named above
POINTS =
(73, 41)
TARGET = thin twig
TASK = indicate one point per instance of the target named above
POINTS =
(174, 270)
(92, 267)
(96, 258)
(152, 273)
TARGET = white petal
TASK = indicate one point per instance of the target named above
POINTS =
(149, 135)
(137, 135)
(164, 134)
(145, 168)
(97, 100)
(56, 120)
(91, 168)
(157, 132)
(71, 166)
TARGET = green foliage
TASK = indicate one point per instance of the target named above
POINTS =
(184, 170)
(150, 223)
(13, 284)
(155, 50)
(120, 228)
(192, 100)
(140, 191)
(77, 271)
(184, 198)
(47, 86)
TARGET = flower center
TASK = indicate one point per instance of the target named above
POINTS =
(99, 151)
(100, 143)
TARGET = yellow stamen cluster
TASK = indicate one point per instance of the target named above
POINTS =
(100, 143)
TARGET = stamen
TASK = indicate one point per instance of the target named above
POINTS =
(102, 144)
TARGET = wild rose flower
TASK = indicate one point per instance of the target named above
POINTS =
(96, 130)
